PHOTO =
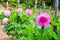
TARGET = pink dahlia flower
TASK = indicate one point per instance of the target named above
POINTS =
(43, 19)
(19, 10)
(7, 13)
(5, 21)
(28, 11)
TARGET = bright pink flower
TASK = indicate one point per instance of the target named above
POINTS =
(5, 21)
(29, 12)
(19, 10)
(43, 19)
(7, 13)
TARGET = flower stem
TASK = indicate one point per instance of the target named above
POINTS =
(55, 30)
(42, 31)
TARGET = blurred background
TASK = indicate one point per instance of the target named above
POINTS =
(27, 3)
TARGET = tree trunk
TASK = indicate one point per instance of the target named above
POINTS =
(56, 10)
(43, 3)
(56, 7)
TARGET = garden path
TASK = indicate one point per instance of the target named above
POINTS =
(3, 35)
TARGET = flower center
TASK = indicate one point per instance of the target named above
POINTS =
(43, 19)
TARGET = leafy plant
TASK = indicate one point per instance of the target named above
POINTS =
(23, 27)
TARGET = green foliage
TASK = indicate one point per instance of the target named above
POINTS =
(1, 16)
(23, 27)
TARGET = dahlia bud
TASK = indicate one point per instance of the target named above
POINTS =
(7, 13)
(19, 10)
(28, 11)
(5, 21)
